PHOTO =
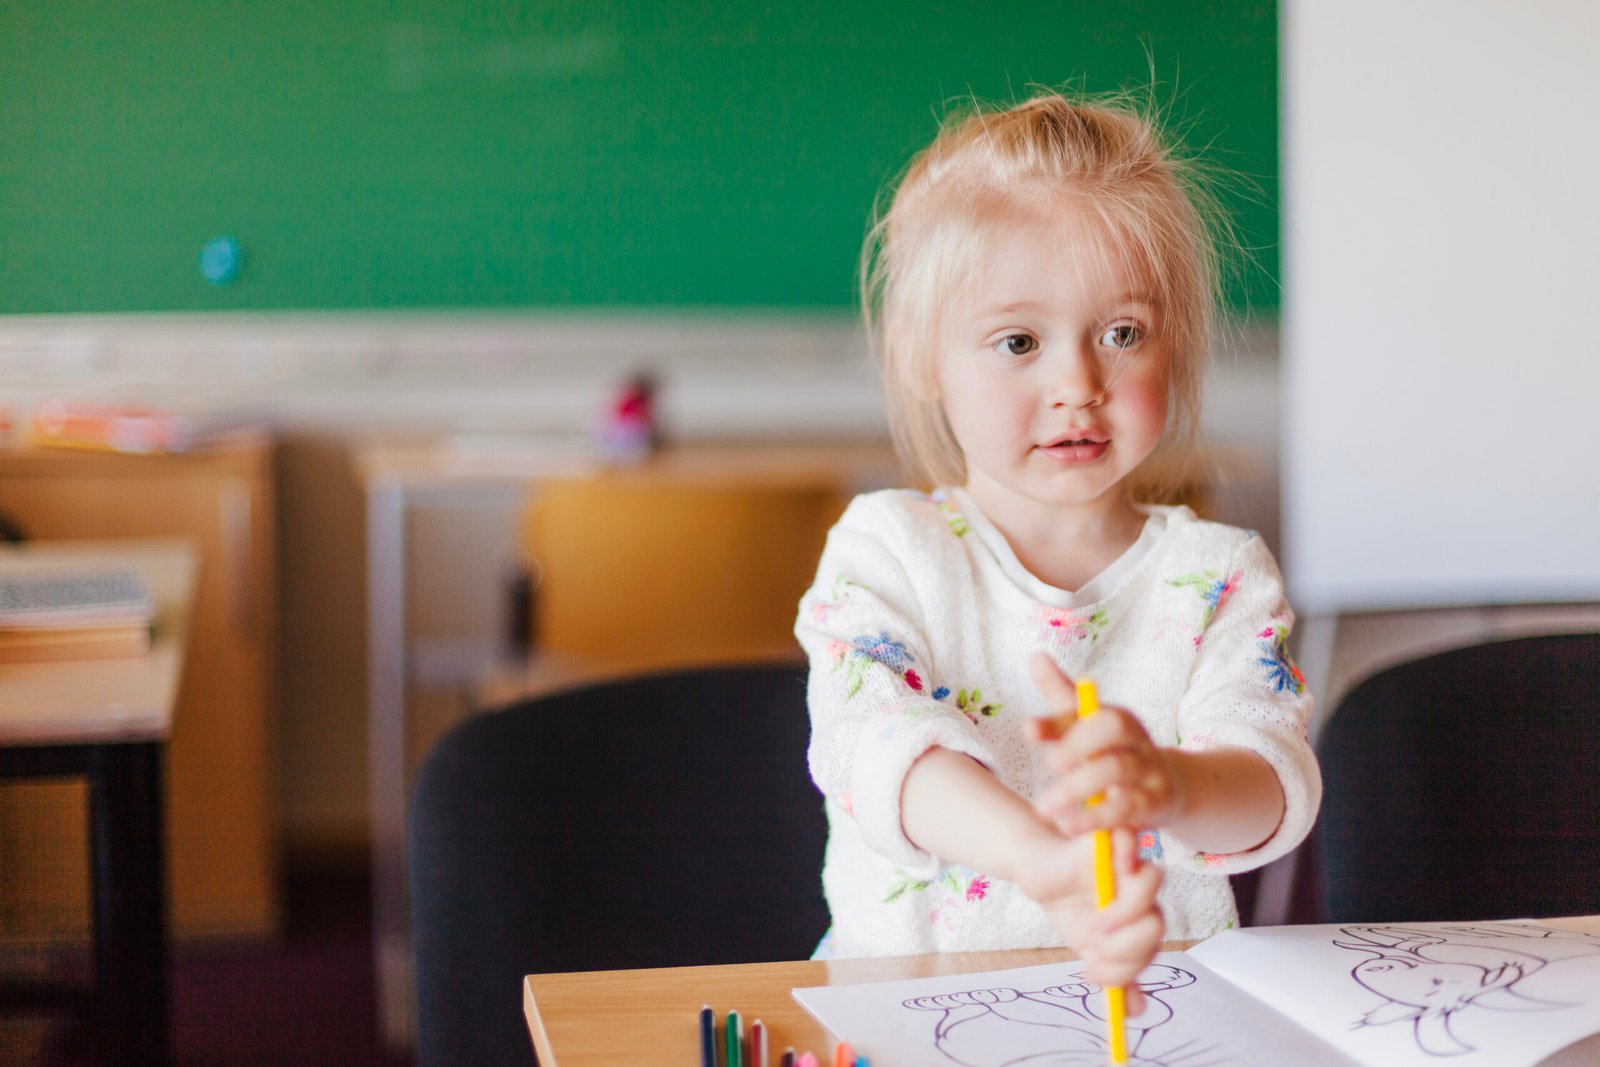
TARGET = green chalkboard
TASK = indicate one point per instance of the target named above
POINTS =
(418, 154)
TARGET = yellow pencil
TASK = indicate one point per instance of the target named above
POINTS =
(1105, 890)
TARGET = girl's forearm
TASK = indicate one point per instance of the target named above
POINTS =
(1229, 799)
(955, 808)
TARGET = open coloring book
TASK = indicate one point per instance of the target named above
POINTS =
(1472, 994)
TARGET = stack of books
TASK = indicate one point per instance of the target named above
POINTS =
(126, 424)
(72, 612)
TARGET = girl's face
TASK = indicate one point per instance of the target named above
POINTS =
(1053, 375)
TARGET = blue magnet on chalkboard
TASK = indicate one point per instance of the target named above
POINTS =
(220, 259)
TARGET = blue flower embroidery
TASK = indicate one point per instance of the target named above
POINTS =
(1213, 588)
(1282, 674)
(884, 650)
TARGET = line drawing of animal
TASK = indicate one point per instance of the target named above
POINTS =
(1061, 1025)
(1429, 978)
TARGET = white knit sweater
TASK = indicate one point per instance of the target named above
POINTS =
(919, 629)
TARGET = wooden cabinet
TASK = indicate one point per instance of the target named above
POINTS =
(221, 763)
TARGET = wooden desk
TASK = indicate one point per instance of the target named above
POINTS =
(108, 720)
(642, 1017)
(399, 477)
(645, 1017)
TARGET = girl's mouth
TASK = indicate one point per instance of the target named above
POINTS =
(1075, 449)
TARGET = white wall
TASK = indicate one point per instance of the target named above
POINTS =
(1441, 348)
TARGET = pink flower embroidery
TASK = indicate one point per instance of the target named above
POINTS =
(837, 650)
(913, 681)
(977, 888)
(1064, 626)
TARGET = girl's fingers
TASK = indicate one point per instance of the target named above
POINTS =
(1117, 958)
(1060, 696)
(1053, 683)
(1130, 792)
(1080, 741)
(1118, 808)
(1076, 786)
(1137, 883)
(1125, 858)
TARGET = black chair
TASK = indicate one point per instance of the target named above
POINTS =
(1466, 786)
(659, 821)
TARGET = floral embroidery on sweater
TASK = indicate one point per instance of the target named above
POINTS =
(952, 888)
(973, 706)
(954, 519)
(1150, 845)
(837, 597)
(1213, 589)
(1282, 674)
(952, 515)
(1063, 627)
(863, 651)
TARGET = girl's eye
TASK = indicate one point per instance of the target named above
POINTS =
(1016, 344)
(1123, 335)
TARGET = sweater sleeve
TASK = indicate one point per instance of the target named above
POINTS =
(863, 626)
(1246, 692)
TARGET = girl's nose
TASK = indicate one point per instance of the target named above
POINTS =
(1076, 380)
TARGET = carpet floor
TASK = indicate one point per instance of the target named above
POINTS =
(305, 999)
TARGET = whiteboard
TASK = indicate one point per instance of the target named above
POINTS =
(1441, 322)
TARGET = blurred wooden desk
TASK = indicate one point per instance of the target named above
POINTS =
(399, 477)
(108, 720)
(645, 1017)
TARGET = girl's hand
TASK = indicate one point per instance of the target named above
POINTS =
(1116, 942)
(1108, 755)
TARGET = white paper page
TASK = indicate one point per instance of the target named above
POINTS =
(1047, 1016)
(1503, 993)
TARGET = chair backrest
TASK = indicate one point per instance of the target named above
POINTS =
(660, 821)
(1466, 786)
(726, 562)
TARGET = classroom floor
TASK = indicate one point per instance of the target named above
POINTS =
(305, 1000)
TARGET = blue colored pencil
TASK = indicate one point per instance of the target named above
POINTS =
(708, 1037)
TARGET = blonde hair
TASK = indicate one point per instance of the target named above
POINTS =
(984, 170)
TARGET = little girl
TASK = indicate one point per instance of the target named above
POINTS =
(1039, 292)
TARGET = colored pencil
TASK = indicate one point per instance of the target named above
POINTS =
(708, 1037)
(788, 1058)
(758, 1045)
(806, 1060)
(1105, 891)
(844, 1055)
(735, 1040)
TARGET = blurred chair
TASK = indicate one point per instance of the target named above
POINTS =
(673, 570)
(1466, 786)
(666, 820)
